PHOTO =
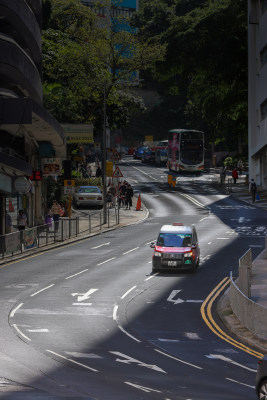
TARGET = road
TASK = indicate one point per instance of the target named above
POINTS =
(90, 320)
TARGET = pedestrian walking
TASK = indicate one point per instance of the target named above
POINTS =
(55, 209)
(240, 166)
(89, 170)
(98, 172)
(122, 193)
(21, 220)
(113, 193)
(235, 175)
(8, 223)
(49, 219)
(253, 189)
(223, 175)
(109, 199)
(128, 197)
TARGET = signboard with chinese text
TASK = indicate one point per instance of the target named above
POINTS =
(79, 133)
(51, 166)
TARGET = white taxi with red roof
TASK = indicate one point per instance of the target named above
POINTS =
(176, 248)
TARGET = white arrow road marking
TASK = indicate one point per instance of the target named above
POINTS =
(128, 360)
(172, 295)
(220, 357)
(178, 300)
(84, 296)
(144, 388)
(97, 247)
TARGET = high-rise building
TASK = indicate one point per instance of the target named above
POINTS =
(257, 91)
(28, 131)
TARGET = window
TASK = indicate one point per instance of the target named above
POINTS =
(264, 110)
(263, 56)
(263, 6)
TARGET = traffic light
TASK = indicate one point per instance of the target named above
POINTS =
(67, 169)
(36, 176)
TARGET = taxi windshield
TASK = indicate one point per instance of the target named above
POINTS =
(174, 240)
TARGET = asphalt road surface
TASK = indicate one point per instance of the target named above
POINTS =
(91, 321)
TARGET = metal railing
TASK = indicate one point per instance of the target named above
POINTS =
(30, 239)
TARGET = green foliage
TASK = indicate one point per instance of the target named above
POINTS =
(82, 56)
(229, 163)
(204, 76)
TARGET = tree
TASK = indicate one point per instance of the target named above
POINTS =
(81, 56)
(205, 70)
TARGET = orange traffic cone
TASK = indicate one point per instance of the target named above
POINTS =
(138, 204)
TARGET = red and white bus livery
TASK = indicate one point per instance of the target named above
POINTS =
(186, 150)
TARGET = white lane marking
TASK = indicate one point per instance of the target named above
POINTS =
(151, 276)
(110, 259)
(115, 309)
(151, 177)
(22, 334)
(240, 383)
(128, 360)
(128, 291)
(206, 257)
(97, 247)
(178, 359)
(223, 238)
(129, 251)
(223, 358)
(128, 334)
(84, 296)
(196, 202)
(72, 361)
(39, 291)
(254, 245)
(209, 242)
(15, 310)
(78, 273)
(241, 219)
(144, 388)
(150, 262)
(82, 304)
(41, 330)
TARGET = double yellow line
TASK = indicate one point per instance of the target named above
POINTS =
(207, 317)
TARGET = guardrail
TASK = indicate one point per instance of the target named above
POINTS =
(251, 315)
(30, 239)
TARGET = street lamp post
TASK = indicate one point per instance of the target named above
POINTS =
(104, 150)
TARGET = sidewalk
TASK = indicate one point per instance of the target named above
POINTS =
(126, 217)
(258, 280)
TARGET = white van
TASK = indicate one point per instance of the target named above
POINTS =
(161, 157)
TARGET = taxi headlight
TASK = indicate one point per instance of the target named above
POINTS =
(157, 254)
(188, 254)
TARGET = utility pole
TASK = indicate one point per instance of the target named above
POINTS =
(104, 151)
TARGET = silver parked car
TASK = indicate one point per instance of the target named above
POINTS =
(88, 196)
(261, 379)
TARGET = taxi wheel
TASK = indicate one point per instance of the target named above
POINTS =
(194, 268)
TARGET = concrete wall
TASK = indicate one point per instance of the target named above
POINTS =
(253, 316)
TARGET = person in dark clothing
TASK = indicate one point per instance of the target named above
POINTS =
(122, 193)
(98, 172)
(253, 189)
(128, 197)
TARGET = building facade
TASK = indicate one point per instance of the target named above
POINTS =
(257, 90)
(28, 132)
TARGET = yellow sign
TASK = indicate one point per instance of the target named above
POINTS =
(79, 133)
(69, 182)
(109, 168)
(149, 138)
